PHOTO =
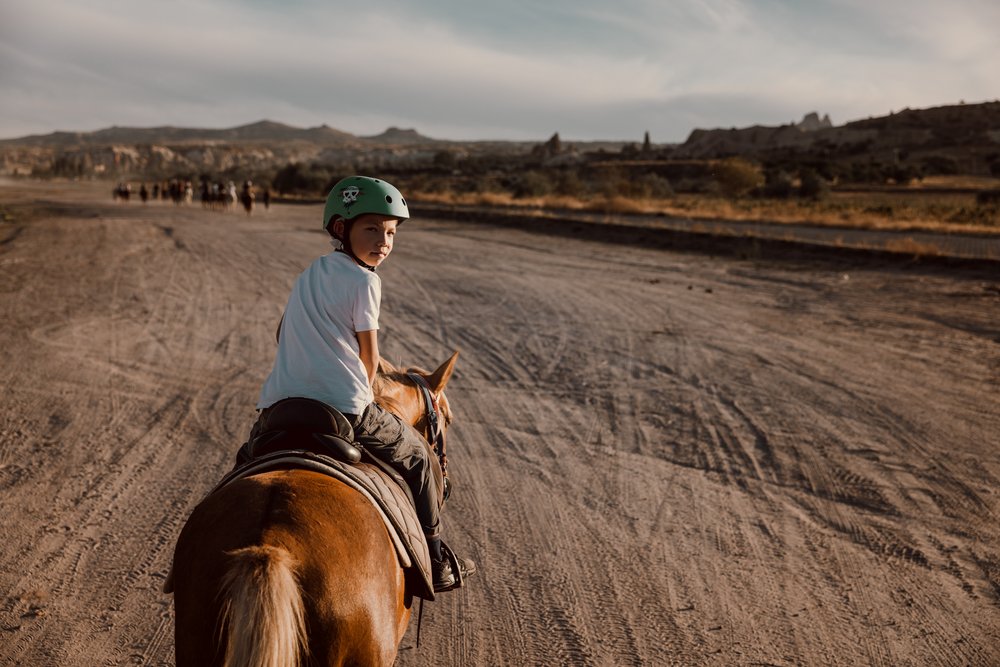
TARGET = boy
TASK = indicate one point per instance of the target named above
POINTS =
(328, 345)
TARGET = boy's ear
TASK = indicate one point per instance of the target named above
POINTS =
(337, 228)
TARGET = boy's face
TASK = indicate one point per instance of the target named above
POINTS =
(371, 237)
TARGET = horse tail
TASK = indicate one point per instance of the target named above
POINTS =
(264, 615)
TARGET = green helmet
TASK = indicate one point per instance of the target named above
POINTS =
(357, 195)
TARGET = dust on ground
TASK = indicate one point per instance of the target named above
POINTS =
(660, 458)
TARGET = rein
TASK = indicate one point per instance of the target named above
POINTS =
(436, 423)
(434, 420)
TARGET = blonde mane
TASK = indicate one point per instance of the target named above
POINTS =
(388, 380)
(392, 387)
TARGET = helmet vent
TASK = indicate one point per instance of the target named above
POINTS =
(388, 199)
(402, 201)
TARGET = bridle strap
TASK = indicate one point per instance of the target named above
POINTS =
(434, 420)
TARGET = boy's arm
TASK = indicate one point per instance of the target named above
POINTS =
(368, 344)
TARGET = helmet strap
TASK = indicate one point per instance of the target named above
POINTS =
(345, 247)
(350, 253)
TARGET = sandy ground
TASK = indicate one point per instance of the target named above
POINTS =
(660, 458)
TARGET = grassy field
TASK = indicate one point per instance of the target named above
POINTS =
(942, 204)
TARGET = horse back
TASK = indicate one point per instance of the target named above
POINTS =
(337, 546)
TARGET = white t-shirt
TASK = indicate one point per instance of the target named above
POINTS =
(318, 355)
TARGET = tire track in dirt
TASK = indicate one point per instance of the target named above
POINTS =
(658, 459)
(84, 336)
(747, 435)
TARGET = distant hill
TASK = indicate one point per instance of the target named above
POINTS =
(261, 131)
(954, 139)
(947, 128)
(395, 135)
(257, 146)
(973, 117)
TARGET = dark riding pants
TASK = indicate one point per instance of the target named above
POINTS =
(389, 439)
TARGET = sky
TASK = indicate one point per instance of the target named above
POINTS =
(477, 70)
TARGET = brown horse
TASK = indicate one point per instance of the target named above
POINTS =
(292, 567)
(247, 197)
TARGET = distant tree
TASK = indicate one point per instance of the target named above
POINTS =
(812, 185)
(651, 186)
(826, 168)
(777, 184)
(445, 159)
(289, 178)
(903, 174)
(737, 176)
(939, 165)
(630, 148)
(299, 178)
(611, 182)
(647, 146)
(532, 184)
(866, 172)
(569, 183)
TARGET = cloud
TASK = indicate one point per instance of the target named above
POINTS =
(462, 69)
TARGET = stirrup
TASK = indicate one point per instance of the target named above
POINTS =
(456, 568)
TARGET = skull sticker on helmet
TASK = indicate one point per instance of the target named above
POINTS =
(350, 195)
(359, 195)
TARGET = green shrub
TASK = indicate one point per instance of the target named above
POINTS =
(736, 176)
(445, 160)
(569, 184)
(939, 165)
(777, 185)
(652, 186)
(866, 172)
(812, 185)
(886, 210)
(296, 178)
(903, 174)
(532, 184)
(610, 183)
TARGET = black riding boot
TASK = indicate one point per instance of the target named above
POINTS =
(448, 570)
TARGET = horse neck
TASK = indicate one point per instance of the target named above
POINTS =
(403, 400)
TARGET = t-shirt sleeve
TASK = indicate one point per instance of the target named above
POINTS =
(366, 305)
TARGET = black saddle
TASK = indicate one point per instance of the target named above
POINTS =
(307, 424)
(304, 423)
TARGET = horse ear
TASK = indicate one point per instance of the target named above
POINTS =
(384, 367)
(439, 378)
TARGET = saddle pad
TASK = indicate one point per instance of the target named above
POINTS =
(389, 499)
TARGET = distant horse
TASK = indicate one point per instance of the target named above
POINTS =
(122, 192)
(247, 197)
(292, 567)
(229, 197)
(176, 191)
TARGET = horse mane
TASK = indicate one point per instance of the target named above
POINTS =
(387, 377)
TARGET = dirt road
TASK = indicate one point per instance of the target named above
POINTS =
(661, 459)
